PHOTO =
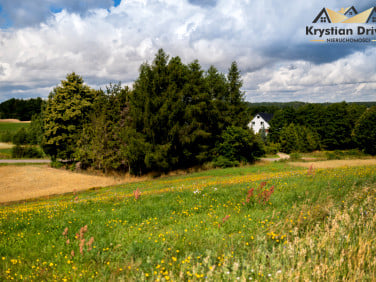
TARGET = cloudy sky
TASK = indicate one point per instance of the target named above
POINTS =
(106, 41)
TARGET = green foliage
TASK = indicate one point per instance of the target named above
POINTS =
(21, 109)
(67, 110)
(237, 145)
(9, 129)
(272, 148)
(238, 108)
(365, 131)
(178, 112)
(21, 137)
(331, 124)
(296, 138)
(35, 131)
(102, 142)
(19, 152)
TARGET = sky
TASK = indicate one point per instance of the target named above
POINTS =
(106, 41)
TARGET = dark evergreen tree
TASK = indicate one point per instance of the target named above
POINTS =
(365, 131)
(281, 119)
(238, 108)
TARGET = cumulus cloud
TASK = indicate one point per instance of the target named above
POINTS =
(351, 78)
(106, 44)
(20, 13)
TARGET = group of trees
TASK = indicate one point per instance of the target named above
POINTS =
(21, 109)
(176, 116)
(337, 126)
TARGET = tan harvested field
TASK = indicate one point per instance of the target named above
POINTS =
(6, 145)
(335, 163)
(14, 121)
(28, 182)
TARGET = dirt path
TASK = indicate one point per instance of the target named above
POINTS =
(26, 182)
(335, 163)
(283, 156)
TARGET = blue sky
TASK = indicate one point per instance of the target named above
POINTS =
(106, 41)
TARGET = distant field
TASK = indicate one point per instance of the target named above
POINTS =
(12, 126)
(335, 163)
(266, 222)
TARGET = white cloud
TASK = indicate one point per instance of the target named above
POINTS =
(351, 78)
(109, 46)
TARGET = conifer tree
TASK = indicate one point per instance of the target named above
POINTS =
(67, 110)
(238, 108)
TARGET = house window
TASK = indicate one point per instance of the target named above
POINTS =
(323, 19)
(262, 123)
(253, 123)
(374, 19)
(350, 13)
(258, 116)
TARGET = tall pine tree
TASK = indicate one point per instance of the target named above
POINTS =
(66, 112)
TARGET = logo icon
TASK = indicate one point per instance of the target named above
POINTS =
(346, 15)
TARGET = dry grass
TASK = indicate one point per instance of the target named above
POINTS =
(13, 121)
(27, 182)
(6, 145)
(335, 163)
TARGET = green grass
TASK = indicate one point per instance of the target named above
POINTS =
(9, 129)
(316, 226)
(5, 153)
(12, 127)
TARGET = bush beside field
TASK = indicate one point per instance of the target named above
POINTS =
(294, 224)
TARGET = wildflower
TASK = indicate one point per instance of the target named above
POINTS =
(137, 194)
(65, 231)
(225, 218)
(89, 243)
(82, 243)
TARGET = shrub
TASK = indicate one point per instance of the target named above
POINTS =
(238, 145)
(272, 148)
(6, 136)
(20, 137)
(223, 162)
(26, 152)
(295, 156)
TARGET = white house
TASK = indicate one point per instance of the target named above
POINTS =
(260, 121)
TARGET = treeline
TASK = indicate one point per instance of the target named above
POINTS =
(176, 116)
(21, 109)
(272, 107)
(337, 126)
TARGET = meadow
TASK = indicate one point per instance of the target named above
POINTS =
(12, 126)
(262, 222)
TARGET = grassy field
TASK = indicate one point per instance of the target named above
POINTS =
(296, 223)
(5, 153)
(12, 126)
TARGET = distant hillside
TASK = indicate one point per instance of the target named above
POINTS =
(20, 109)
